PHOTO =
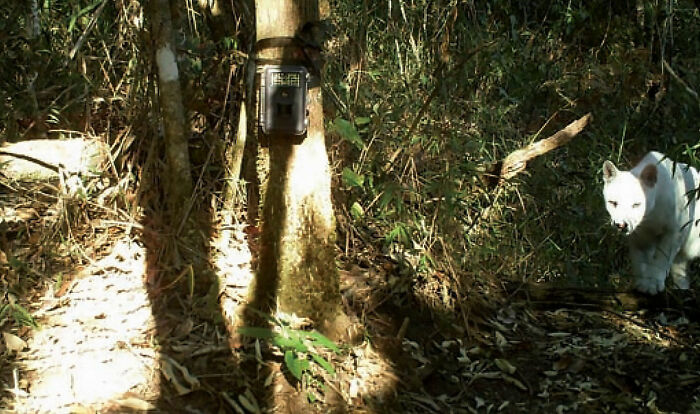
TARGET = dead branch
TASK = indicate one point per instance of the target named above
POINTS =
(557, 297)
(517, 160)
(42, 159)
(29, 158)
(681, 81)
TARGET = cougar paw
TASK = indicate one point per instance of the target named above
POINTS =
(651, 286)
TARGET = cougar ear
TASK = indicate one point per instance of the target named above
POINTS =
(609, 171)
(649, 175)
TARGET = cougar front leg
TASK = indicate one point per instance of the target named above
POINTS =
(679, 271)
(649, 274)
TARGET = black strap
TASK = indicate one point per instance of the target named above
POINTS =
(308, 56)
(282, 41)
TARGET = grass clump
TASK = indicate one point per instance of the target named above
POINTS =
(438, 92)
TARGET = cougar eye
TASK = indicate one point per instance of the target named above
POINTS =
(636, 205)
(613, 203)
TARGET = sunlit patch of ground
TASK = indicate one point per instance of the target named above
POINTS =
(94, 347)
(97, 351)
(362, 373)
(232, 263)
(100, 349)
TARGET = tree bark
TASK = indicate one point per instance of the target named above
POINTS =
(297, 257)
(178, 181)
(234, 160)
(33, 22)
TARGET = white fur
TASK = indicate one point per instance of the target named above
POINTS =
(652, 204)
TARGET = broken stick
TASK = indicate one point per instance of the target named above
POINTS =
(516, 162)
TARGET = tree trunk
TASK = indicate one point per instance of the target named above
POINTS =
(297, 257)
(178, 181)
(33, 22)
(234, 160)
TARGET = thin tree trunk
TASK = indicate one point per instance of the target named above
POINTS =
(234, 157)
(178, 182)
(33, 22)
(250, 152)
(297, 258)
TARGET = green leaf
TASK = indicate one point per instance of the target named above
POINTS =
(352, 179)
(230, 42)
(356, 211)
(20, 315)
(287, 343)
(323, 363)
(81, 13)
(363, 120)
(320, 339)
(388, 195)
(4, 309)
(260, 333)
(295, 365)
(347, 131)
(400, 234)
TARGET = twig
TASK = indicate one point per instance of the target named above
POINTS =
(402, 330)
(681, 81)
(89, 27)
(516, 162)
(29, 158)
(197, 187)
(572, 307)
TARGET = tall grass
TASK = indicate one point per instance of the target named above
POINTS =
(541, 65)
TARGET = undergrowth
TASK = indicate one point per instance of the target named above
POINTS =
(433, 94)
(438, 92)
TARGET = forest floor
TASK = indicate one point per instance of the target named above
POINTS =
(107, 341)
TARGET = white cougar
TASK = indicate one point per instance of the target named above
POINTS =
(655, 205)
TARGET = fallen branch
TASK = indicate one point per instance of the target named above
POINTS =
(516, 162)
(49, 166)
(43, 159)
(556, 297)
(681, 81)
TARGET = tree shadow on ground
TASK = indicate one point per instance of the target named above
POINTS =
(184, 288)
(520, 356)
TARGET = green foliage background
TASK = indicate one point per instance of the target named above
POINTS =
(431, 95)
(542, 65)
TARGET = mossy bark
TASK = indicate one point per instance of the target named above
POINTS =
(297, 270)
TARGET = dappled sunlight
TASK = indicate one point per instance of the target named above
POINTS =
(432, 240)
(94, 347)
(362, 372)
(660, 333)
(374, 376)
(232, 263)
